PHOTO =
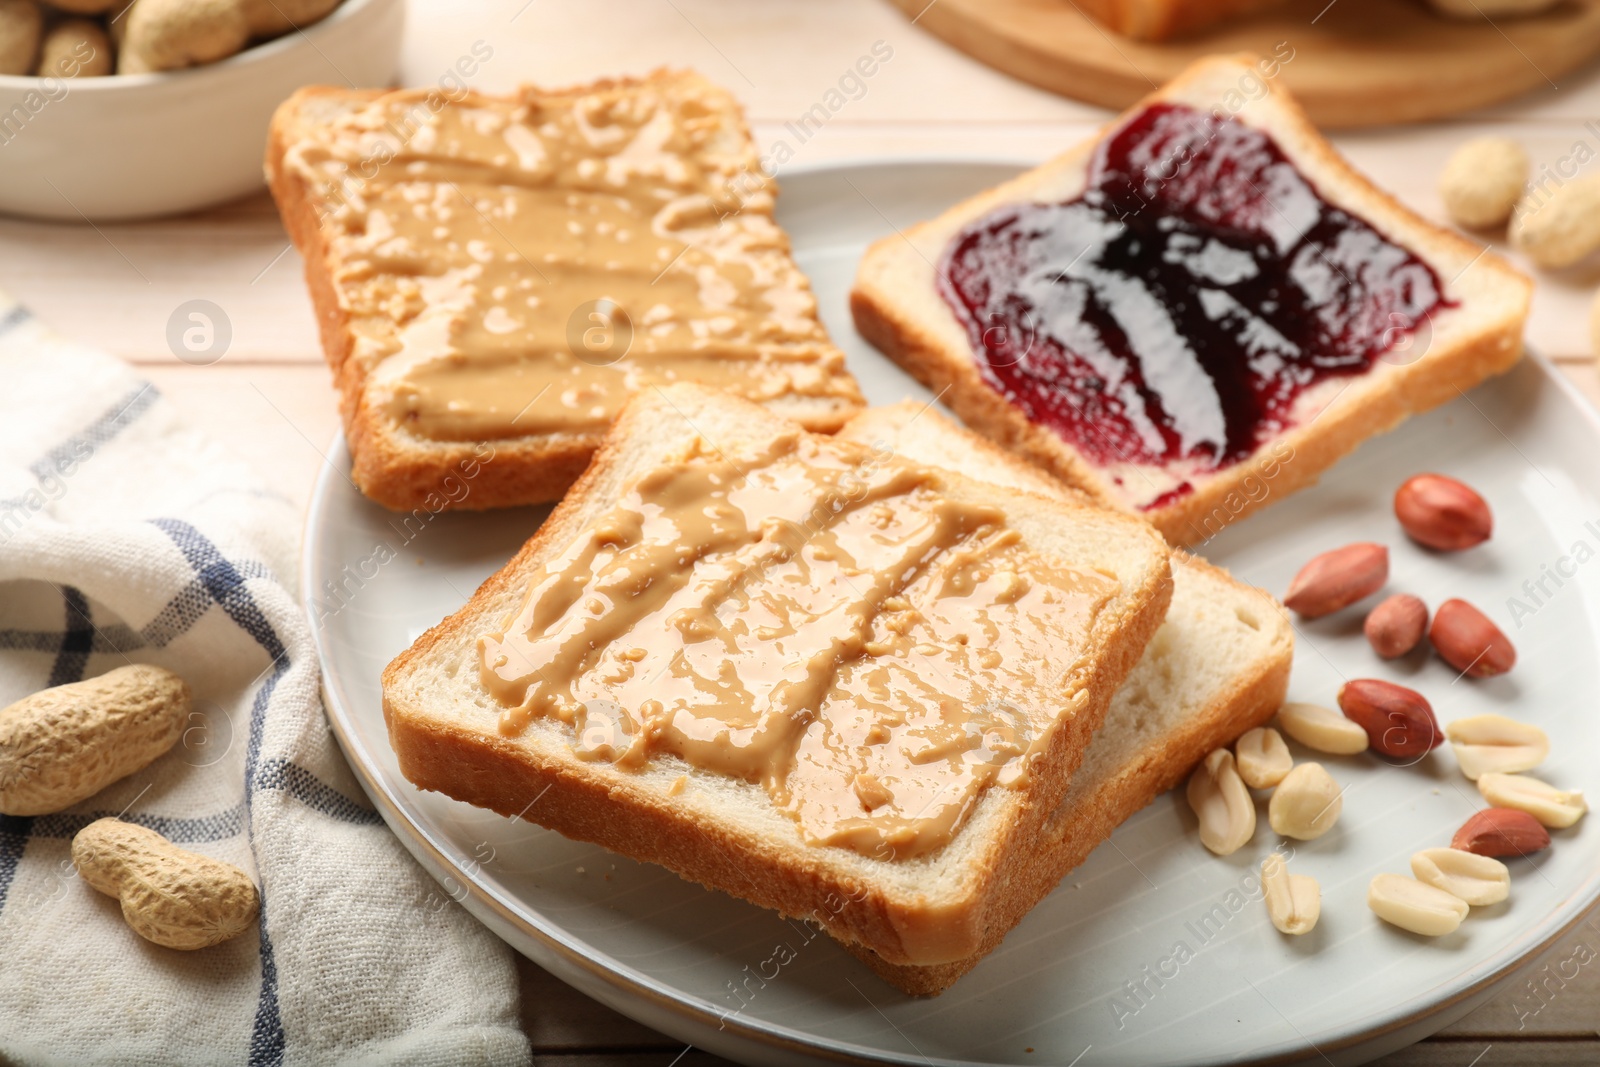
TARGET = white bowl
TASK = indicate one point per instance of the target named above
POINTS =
(133, 146)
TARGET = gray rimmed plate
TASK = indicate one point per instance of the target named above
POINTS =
(1154, 952)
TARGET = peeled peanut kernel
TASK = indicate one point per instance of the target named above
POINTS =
(1415, 906)
(1469, 641)
(1555, 808)
(1322, 729)
(1483, 181)
(1262, 758)
(1294, 901)
(1306, 803)
(1560, 227)
(1493, 743)
(1478, 880)
(1219, 798)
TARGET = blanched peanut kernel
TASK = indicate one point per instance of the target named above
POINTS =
(1483, 181)
(1322, 729)
(1306, 803)
(1219, 798)
(1478, 880)
(1294, 901)
(1560, 227)
(1262, 757)
(1555, 808)
(1412, 905)
(1490, 743)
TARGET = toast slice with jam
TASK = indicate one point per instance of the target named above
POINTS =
(1195, 313)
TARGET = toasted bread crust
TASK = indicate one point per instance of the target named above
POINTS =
(1084, 823)
(384, 468)
(1090, 812)
(1431, 380)
(388, 467)
(612, 808)
(1218, 501)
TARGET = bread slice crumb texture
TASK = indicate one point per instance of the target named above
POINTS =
(1218, 666)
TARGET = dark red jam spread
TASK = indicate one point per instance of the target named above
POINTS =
(1172, 314)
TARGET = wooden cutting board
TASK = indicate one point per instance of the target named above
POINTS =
(1355, 62)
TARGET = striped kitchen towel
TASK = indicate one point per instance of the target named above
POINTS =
(127, 537)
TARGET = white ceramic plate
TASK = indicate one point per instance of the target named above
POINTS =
(1095, 975)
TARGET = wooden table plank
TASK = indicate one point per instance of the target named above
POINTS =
(558, 1018)
(1500, 1052)
(1554, 996)
(781, 55)
(281, 417)
(116, 287)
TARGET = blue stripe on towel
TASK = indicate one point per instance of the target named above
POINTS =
(14, 832)
(219, 827)
(223, 581)
(14, 316)
(219, 581)
(114, 637)
(76, 642)
(313, 792)
(71, 657)
(80, 446)
(267, 1039)
(170, 623)
(226, 587)
(186, 607)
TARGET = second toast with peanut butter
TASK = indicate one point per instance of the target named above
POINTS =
(494, 277)
(794, 667)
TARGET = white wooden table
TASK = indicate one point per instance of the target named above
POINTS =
(270, 399)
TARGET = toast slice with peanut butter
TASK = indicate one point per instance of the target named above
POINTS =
(494, 277)
(790, 666)
(1218, 666)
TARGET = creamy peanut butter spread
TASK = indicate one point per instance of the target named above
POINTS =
(815, 616)
(517, 266)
